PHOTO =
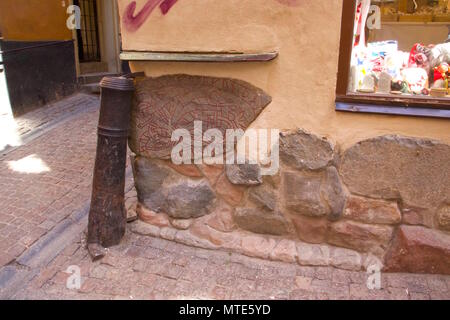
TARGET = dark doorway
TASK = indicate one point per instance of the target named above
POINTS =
(88, 35)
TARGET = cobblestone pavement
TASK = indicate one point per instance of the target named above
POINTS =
(48, 179)
(149, 268)
(54, 112)
(15, 130)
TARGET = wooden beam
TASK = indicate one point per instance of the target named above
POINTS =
(197, 57)
(346, 46)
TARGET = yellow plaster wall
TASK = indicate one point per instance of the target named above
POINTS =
(34, 20)
(301, 80)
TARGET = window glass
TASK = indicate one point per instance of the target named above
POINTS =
(401, 48)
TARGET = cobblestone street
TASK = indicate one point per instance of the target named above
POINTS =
(148, 268)
(45, 188)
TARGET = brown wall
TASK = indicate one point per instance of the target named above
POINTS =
(34, 20)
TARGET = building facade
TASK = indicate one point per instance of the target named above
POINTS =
(47, 46)
(360, 177)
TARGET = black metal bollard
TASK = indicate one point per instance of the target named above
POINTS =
(107, 216)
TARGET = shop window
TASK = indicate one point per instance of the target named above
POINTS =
(395, 57)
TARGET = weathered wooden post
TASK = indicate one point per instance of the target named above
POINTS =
(107, 216)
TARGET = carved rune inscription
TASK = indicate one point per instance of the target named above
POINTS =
(172, 102)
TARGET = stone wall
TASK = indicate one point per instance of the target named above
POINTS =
(382, 201)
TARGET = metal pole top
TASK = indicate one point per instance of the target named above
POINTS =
(117, 83)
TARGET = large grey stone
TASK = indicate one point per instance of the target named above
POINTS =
(162, 189)
(261, 221)
(171, 102)
(190, 199)
(314, 194)
(244, 174)
(415, 172)
(264, 196)
(303, 150)
(149, 177)
(333, 193)
(302, 194)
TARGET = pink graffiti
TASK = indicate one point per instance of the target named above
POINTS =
(291, 3)
(167, 5)
(133, 22)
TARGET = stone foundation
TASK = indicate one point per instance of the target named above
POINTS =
(382, 201)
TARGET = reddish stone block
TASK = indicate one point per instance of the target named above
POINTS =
(225, 240)
(311, 230)
(372, 211)
(188, 170)
(258, 246)
(414, 217)
(360, 237)
(284, 251)
(232, 194)
(222, 219)
(212, 173)
(156, 219)
(419, 250)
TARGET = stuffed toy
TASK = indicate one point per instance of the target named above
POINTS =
(418, 59)
(437, 54)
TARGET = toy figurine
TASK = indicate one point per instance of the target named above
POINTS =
(442, 72)
(399, 87)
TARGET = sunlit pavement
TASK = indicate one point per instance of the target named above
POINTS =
(8, 127)
(45, 184)
(47, 178)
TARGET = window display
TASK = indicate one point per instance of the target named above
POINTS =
(401, 47)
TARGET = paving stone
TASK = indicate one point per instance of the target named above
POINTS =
(171, 271)
(419, 296)
(437, 284)
(303, 283)
(221, 293)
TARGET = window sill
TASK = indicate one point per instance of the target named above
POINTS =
(394, 100)
(197, 56)
(387, 109)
